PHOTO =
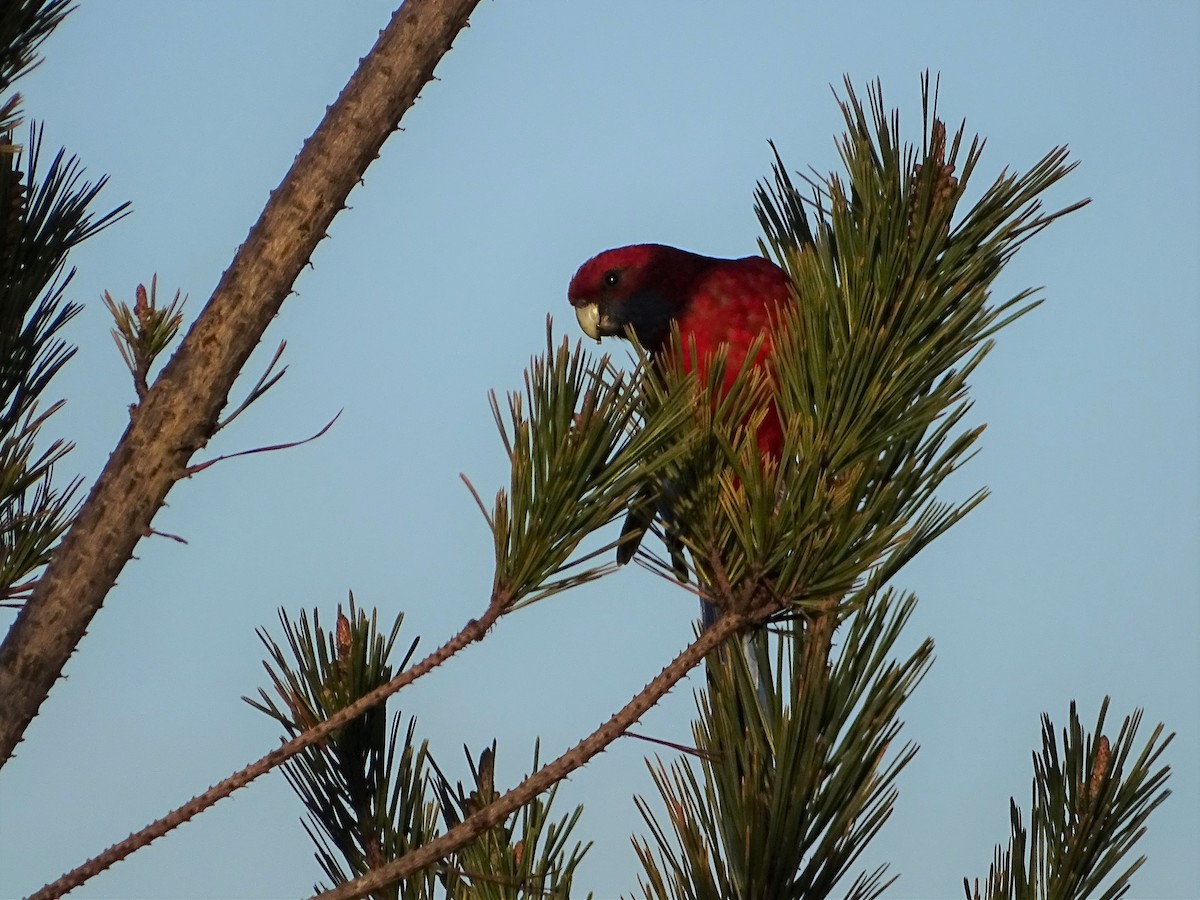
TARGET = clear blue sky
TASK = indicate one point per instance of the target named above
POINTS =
(557, 130)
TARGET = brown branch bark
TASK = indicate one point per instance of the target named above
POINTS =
(495, 813)
(179, 413)
(473, 631)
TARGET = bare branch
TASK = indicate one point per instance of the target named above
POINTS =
(200, 467)
(268, 380)
(671, 745)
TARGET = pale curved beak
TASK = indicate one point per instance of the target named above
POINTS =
(589, 320)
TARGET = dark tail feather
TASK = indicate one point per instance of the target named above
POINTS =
(651, 500)
(637, 522)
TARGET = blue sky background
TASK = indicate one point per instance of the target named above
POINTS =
(555, 131)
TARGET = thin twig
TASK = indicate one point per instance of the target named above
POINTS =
(166, 534)
(200, 467)
(264, 384)
(17, 590)
(682, 748)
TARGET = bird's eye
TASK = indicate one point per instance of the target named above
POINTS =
(611, 277)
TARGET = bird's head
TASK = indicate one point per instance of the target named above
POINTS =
(642, 287)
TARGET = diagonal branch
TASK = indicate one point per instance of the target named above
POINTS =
(180, 412)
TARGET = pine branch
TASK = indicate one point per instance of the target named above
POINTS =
(579, 446)
(46, 217)
(364, 785)
(181, 410)
(495, 813)
(1091, 800)
(24, 24)
(33, 512)
(893, 313)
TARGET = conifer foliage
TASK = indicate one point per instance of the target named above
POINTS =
(46, 209)
(797, 751)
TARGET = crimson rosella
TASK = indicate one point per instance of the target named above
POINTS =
(647, 287)
(714, 301)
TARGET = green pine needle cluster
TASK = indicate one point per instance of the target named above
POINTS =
(530, 856)
(578, 449)
(364, 787)
(43, 216)
(793, 782)
(144, 331)
(373, 792)
(24, 24)
(1091, 800)
(893, 314)
(34, 512)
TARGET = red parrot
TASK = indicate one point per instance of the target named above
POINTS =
(714, 301)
